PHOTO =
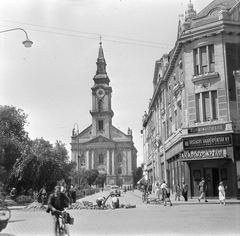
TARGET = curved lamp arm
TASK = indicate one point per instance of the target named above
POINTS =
(27, 43)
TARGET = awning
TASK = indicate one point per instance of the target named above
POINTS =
(143, 179)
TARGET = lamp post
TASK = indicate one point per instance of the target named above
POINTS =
(27, 43)
(76, 135)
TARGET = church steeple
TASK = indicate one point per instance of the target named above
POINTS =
(101, 76)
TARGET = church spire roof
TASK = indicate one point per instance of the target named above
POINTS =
(101, 76)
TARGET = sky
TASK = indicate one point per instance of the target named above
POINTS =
(51, 81)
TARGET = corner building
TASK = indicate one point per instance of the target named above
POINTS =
(192, 127)
(102, 146)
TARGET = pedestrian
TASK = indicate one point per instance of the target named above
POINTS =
(202, 188)
(222, 194)
(42, 196)
(115, 202)
(185, 191)
(73, 193)
(163, 186)
(158, 192)
(13, 194)
(166, 193)
(150, 188)
(178, 192)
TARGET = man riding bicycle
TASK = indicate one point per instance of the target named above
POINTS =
(57, 202)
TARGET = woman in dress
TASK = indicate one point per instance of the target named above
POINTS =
(222, 193)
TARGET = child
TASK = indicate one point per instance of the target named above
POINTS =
(222, 194)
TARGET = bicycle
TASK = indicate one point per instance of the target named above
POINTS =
(63, 220)
(5, 215)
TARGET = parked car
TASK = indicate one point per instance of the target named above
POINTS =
(115, 191)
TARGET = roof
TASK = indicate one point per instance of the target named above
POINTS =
(227, 4)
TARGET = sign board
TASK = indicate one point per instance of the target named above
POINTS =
(207, 129)
(207, 141)
(201, 154)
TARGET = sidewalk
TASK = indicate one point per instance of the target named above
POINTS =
(193, 200)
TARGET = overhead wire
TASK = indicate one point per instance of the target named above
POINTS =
(83, 32)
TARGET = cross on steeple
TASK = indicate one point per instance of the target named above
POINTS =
(100, 37)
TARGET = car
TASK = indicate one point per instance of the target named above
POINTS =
(115, 191)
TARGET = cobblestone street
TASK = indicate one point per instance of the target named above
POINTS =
(189, 218)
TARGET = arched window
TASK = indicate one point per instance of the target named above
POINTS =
(101, 159)
(119, 157)
(100, 105)
(119, 171)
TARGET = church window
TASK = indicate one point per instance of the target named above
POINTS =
(101, 159)
(100, 125)
(119, 171)
(100, 105)
(119, 157)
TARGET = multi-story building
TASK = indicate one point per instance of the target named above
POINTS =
(102, 146)
(192, 127)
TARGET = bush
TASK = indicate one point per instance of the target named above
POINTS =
(24, 199)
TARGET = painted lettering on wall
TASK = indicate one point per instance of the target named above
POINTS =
(205, 153)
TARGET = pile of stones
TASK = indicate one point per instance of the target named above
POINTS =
(35, 206)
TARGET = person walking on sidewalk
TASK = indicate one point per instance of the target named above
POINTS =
(166, 193)
(185, 191)
(178, 192)
(222, 194)
(203, 189)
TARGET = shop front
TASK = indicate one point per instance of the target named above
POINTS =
(210, 157)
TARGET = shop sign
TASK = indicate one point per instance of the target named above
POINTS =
(207, 141)
(205, 154)
(207, 129)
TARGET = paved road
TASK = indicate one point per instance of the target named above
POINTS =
(182, 218)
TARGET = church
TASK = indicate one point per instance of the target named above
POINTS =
(101, 145)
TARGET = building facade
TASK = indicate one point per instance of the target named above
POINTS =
(102, 146)
(192, 127)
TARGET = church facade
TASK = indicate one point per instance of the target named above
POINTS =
(101, 145)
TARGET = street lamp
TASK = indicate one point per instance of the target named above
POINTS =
(76, 135)
(27, 43)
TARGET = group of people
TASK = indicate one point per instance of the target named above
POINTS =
(164, 190)
(102, 200)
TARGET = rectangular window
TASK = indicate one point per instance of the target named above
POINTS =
(211, 58)
(214, 105)
(100, 125)
(206, 106)
(198, 107)
(204, 59)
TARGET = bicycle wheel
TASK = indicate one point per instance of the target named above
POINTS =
(5, 213)
(67, 230)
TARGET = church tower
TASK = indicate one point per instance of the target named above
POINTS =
(101, 100)
(101, 146)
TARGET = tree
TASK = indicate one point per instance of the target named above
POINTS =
(90, 176)
(100, 180)
(40, 165)
(13, 136)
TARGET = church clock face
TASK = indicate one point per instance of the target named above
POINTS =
(100, 93)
